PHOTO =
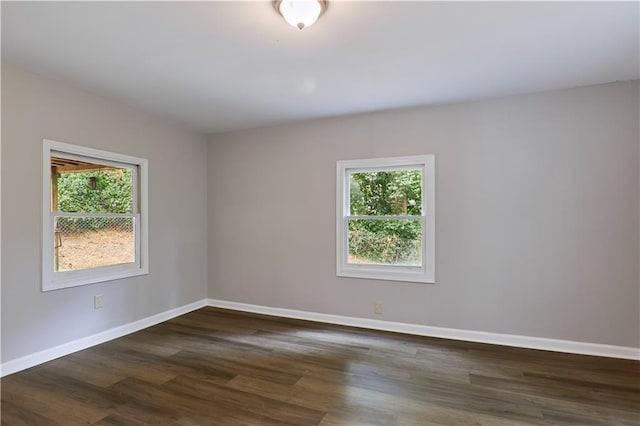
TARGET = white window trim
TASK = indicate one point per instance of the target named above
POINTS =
(52, 280)
(424, 274)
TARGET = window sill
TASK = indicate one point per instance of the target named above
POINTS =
(386, 275)
(91, 276)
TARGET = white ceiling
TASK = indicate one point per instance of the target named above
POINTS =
(220, 66)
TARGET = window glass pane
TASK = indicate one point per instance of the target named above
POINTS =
(393, 192)
(91, 242)
(385, 242)
(91, 188)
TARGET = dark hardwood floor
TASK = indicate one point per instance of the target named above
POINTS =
(219, 367)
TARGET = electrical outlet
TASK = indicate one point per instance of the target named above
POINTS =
(98, 301)
(377, 308)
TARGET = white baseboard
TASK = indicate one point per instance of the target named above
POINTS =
(37, 358)
(554, 345)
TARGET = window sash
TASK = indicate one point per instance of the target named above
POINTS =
(380, 266)
(352, 170)
(135, 182)
(387, 217)
(105, 215)
(136, 237)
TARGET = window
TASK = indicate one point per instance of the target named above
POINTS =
(385, 224)
(94, 216)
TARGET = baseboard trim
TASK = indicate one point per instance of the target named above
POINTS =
(37, 358)
(554, 345)
(540, 343)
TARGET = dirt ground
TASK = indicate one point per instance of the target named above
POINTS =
(95, 248)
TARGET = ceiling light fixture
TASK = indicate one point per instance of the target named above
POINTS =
(300, 13)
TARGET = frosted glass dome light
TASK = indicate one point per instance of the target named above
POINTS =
(300, 13)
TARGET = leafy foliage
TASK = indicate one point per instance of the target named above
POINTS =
(102, 191)
(396, 192)
(386, 193)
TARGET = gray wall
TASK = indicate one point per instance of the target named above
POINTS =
(537, 215)
(33, 109)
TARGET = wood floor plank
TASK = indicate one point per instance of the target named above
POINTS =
(232, 367)
(85, 370)
(554, 407)
(59, 407)
(278, 411)
(128, 364)
(12, 414)
(566, 391)
(222, 367)
(168, 404)
(411, 399)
